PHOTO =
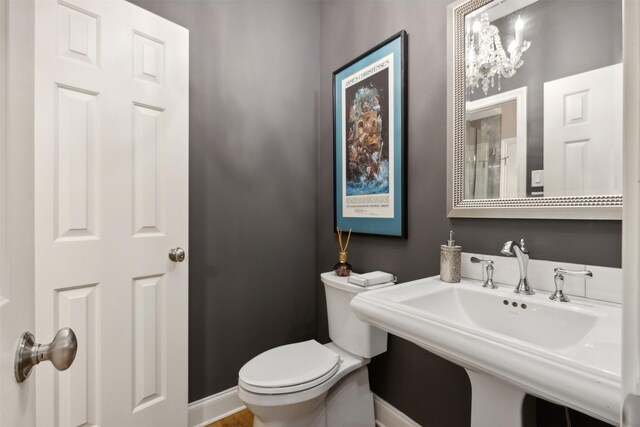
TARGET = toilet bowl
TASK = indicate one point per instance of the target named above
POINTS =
(309, 384)
(303, 402)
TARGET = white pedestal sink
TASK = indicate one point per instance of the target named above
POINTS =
(510, 344)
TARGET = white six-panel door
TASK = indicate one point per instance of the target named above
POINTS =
(111, 200)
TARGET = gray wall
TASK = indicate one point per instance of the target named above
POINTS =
(430, 390)
(427, 388)
(566, 38)
(253, 96)
(261, 202)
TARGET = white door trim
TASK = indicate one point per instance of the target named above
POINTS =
(631, 209)
(4, 81)
(3, 108)
(518, 95)
(17, 406)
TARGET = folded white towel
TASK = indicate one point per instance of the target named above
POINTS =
(371, 279)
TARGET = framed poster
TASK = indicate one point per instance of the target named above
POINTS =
(370, 141)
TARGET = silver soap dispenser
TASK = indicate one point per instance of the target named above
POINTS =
(450, 261)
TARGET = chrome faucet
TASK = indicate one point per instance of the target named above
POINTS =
(512, 248)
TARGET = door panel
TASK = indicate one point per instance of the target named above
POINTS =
(148, 159)
(111, 157)
(76, 123)
(149, 367)
(78, 391)
(583, 134)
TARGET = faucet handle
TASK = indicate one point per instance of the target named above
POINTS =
(578, 273)
(481, 261)
(488, 283)
(558, 295)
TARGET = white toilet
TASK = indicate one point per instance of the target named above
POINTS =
(309, 384)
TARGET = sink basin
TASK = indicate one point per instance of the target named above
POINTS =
(568, 353)
(545, 325)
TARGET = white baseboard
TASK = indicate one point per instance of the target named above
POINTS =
(221, 405)
(216, 407)
(389, 416)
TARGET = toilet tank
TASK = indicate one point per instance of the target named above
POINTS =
(345, 329)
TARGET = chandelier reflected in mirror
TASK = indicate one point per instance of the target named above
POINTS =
(486, 59)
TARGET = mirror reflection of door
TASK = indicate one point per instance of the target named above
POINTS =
(583, 133)
(491, 153)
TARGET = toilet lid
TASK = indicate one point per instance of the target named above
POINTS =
(289, 365)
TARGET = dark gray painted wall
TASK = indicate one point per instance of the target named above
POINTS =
(253, 96)
(261, 208)
(567, 38)
(427, 388)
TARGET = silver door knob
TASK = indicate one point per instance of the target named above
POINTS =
(177, 254)
(61, 352)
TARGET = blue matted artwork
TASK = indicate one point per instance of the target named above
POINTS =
(370, 127)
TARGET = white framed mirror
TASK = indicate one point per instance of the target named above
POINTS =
(535, 109)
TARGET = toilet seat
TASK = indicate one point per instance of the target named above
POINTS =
(289, 368)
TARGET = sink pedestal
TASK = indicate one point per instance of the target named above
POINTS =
(494, 402)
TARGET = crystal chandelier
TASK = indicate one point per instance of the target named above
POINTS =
(486, 57)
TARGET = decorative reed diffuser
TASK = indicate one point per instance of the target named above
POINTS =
(343, 268)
